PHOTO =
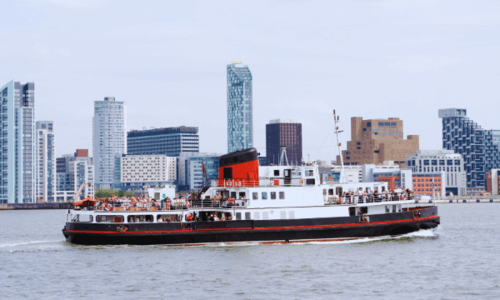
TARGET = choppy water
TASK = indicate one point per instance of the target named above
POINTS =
(458, 260)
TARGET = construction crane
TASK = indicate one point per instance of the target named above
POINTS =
(79, 192)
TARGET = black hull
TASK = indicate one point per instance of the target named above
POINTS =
(248, 231)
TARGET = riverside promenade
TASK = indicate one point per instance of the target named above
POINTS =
(28, 206)
(464, 199)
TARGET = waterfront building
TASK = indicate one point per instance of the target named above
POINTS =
(170, 141)
(109, 141)
(17, 143)
(378, 140)
(284, 133)
(190, 171)
(480, 148)
(429, 184)
(239, 107)
(45, 161)
(72, 171)
(431, 161)
(138, 171)
(493, 181)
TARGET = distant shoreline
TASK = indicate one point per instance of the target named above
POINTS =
(33, 206)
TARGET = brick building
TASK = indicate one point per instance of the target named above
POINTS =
(378, 140)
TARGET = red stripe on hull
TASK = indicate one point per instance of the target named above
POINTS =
(258, 228)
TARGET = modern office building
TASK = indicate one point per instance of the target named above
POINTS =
(190, 171)
(480, 148)
(17, 143)
(72, 171)
(284, 133)
(195, 174)
(138, 171)
(109, 141)
(239, 107)
(432, 161)
(45, 161)
(163, 141)
(378, 140)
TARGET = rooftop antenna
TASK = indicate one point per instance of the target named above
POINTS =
(283, 156)
(336, 119)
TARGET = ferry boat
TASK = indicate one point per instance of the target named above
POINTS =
(252, 203)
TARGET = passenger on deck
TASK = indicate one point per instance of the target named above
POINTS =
(229, 217)
(216, 218)
(137, 220)
(223, 217)
(190, 218)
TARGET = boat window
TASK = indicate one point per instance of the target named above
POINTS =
(273, 195)
(265, 215)
(233, 195)
(242, 195)
(110, 219)
(255, 196)
(311, 181)
(82, 218)
(168, 218)
(247, 216)
(291, 214)
(282, 195)
(256, 215)
(238, 216)
(330, 192)
(309, 172)
(283, 215)
(276, 172)
(264, 195)
(140, 219)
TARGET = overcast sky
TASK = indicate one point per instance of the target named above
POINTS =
(167, 60)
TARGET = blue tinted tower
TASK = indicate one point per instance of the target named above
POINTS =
(239, 107)
(17, 143)
(480, 148)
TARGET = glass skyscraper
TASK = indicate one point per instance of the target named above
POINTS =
(239, 108)
(168, 141)
(17, 143)
(109, 141)
(480, 148)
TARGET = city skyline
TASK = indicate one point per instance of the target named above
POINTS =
(356, 61)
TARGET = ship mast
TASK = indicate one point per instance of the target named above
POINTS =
(336, 119)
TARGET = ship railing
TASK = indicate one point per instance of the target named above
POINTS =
(260, 182)
(360, 199)
(174, 204)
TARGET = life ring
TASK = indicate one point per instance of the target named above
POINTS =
(239, 183)
(229, 183)
(301, 181)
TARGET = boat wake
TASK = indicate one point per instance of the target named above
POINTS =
(15, 244)
(413, 235)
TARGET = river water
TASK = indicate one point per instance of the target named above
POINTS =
(458, 260)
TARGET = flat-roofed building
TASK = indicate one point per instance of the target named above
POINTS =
(46, 162)
(432, 161)
(378, 140)
(171, 141)
(138, 171)
(284, 133)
